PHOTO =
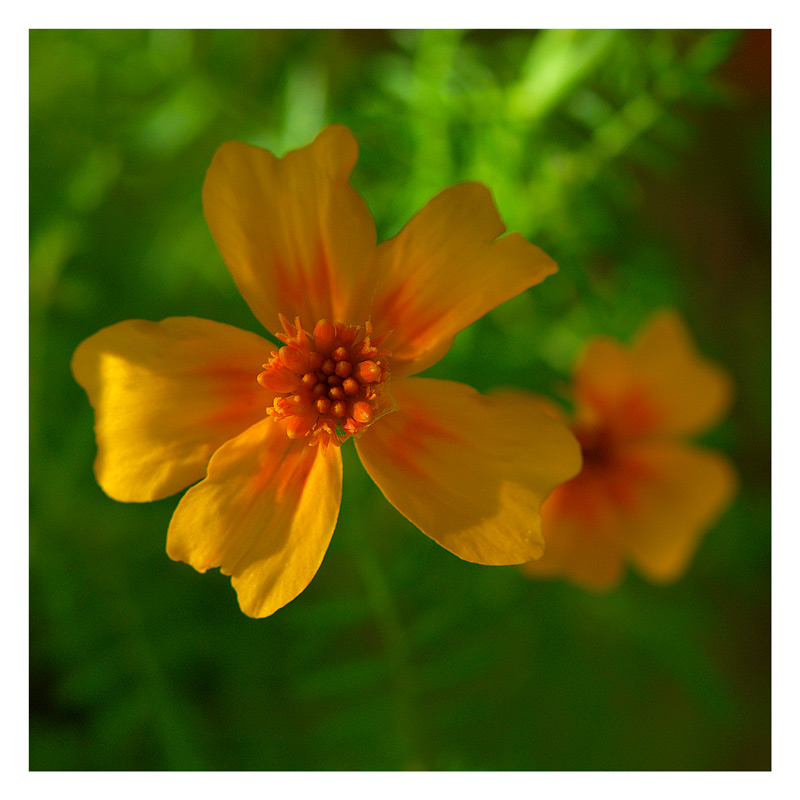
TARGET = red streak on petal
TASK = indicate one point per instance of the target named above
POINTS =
(308, 286)
(247, 408)
(324, 287)
(225, 375)
(400, 311)
(410, 446)
(238, 393)
(289, 289)
(283, 471)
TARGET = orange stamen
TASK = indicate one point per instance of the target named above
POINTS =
(343, 369)
(294, 359)
(279, 380)
(331, 384)
(367, 372)
(362, 412)
(323, 405)
(324, 336)
(299, 427)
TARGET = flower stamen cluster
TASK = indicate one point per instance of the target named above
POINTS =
(331, 384)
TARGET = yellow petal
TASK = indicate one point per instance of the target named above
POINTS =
(296, 236)
(690, 489)
(166, 395)
(446, 269)
(661, 385)
(693, 393)
(265, 515)
(469, 470)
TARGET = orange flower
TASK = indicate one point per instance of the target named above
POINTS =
(183, 400)
(644, 495)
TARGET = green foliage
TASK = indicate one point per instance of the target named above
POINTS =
(622, 154)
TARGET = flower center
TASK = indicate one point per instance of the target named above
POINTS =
(598, 445)
(331, 384)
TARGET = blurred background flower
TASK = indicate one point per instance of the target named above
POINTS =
(645, 494)
(640, 160)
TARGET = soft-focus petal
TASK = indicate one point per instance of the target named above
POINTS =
(689, 491)
(661, 385)
(469, 470)
(166, 395)
(609, 395)
(296, 236)
(693, 393)
(265, 514)
(444, 270)
(583, 519)
(589, 556)
(579, 525)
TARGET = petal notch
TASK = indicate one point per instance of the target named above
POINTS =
(295, 235)
(446, 269)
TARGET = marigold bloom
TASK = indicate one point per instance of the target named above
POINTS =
(644, 495)
(186, 400)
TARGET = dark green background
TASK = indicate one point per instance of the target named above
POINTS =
(640, 160)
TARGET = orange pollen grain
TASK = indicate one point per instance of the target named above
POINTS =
(330, 384)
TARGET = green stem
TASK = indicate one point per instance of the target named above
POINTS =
(393, 635)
